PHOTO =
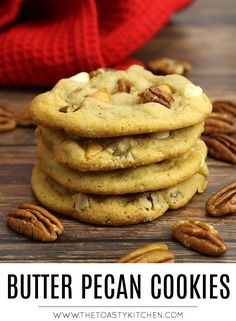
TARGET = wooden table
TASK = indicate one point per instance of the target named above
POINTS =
(204, 34)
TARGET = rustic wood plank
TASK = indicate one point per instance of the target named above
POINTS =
(95, 239)
(18, 137)
(194, 35)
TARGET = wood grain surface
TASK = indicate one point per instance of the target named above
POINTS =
(204, 34)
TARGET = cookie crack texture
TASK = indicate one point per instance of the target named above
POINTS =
(121, 152)
(133, 180)
(112, 210)
(108, 113)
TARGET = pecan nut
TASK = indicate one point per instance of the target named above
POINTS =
(219, 123)
(99, 71)
(95, 73)
(166, 66)
(64, 109)
(102, 94)
(151, 253)
(93, 149)
(7, 120)
(165, 88)
(34, 222)
(24, 119)
(225, 106)
(200, 237)
(222, 147)
(69, 108)
(156, 95)
(222, 202)
(124, 85)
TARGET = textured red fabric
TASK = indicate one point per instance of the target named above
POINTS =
(42, 41)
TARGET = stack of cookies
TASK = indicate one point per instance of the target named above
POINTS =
(119, 147)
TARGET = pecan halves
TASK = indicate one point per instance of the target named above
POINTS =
(220, 123)
(124, 85)
(151, 253)
(24, 119)
(225, 106)
(200, 237)
(222, 202)
(34, 222)
(156, 95)
(7, 120)
(222, 147)
(166, 66)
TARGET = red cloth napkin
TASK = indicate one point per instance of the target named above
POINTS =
(42, 41)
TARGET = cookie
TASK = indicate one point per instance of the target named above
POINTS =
(114, 210)
(120, 103)
(122, 152)
(132, 180)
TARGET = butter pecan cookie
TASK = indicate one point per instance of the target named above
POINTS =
(121, 152)
(114, 210)
(131, 180)
(119, 103)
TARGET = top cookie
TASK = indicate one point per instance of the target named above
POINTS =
(109, 103)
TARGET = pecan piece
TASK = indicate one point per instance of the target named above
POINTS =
(64, 109)
(151, 253)
(24, 119)
(200, 237)
(102, 94)
(93, 149)
(156, 95)
(222, 202)
(34, 222)
(124, 85)
(7, 120)
(221, 147)
(219, 123)
(99, 71)
(225, 106)
(165, 88)
(95, 73)
(69, 109)
(166, 66)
